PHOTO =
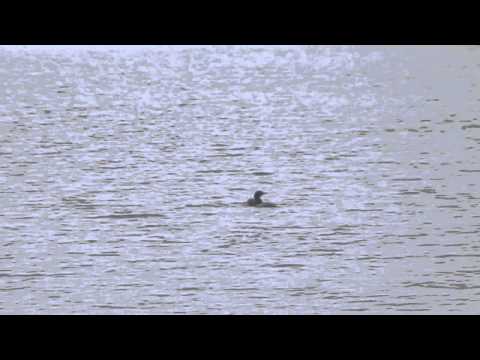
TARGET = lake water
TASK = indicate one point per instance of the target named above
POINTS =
(123, 171)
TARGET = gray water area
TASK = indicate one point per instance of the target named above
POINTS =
(123, 172)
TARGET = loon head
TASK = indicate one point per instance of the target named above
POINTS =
(257, 196)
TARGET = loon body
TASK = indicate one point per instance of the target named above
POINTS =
(257, 200)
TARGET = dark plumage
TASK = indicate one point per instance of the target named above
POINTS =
(257, 200)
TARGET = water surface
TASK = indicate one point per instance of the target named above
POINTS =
(123, 171)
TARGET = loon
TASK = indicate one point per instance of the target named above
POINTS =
(257, 200)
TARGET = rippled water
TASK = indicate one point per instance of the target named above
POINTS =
(123, 173)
